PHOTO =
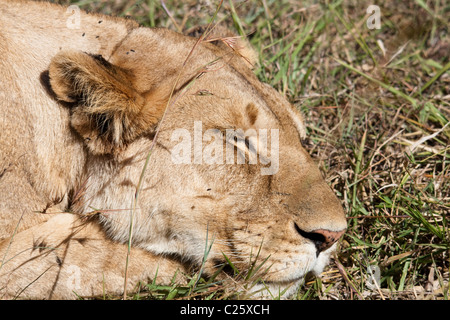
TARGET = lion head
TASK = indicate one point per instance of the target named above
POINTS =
(193, 157)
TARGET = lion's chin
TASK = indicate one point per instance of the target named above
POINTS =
(274, 290)
(286, 288)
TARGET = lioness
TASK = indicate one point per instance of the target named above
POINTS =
(92, 111)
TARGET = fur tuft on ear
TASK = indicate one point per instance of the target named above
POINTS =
(107, 111)
(226, 39)
(243, 48)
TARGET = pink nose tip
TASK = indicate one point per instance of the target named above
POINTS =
(322, 238)
(329, 238)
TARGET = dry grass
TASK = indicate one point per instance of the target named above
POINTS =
(377, 105)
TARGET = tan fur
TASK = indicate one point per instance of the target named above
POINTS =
(79, 112)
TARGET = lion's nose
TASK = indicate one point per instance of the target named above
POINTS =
(322, 238)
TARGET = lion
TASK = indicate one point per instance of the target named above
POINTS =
(131, 154)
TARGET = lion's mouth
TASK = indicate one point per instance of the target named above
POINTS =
(267, 285)
(277, 277)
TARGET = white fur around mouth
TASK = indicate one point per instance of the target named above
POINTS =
(275, 290)
(284, 289)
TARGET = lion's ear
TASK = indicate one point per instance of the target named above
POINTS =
(227, 39)
(107, 111)
(243, 48)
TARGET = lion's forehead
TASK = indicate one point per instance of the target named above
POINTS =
(221, 86)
